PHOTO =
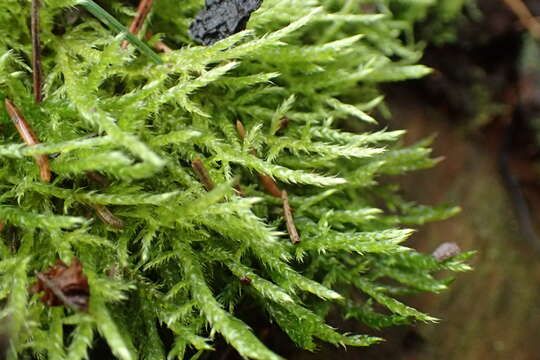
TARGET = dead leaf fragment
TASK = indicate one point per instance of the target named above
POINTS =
(64, 285)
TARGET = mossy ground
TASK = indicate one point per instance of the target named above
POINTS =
(187, 256)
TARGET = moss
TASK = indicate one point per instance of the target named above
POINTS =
(179, 260)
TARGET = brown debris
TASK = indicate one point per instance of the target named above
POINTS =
(98, 178)
(102, 211)
(240, 129)
(284, 123)
(239, 191)
(64, 285)
(289, 220)
(245, 280)
(29, 138)
(270, 185)
(107, 216)
(202, 174)
(142, 12)
(37, 73)
(445, 251)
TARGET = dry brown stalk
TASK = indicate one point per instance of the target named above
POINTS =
(289, 220)
(102, 211)
(202, 174)
(239, 191)
(270, 185)
(142, 12)
(159, 45)
(29, 138)
(107, 216)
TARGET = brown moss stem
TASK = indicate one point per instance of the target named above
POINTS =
(136, 24)
(202, 173)
(29, 137)
(289, 220)
(107, 216)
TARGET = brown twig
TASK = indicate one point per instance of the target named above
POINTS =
(2, 225)
(270, 185)
(107, 216)
(102, 211)
(267, 182)
(98, 178)
(136, 24)
(289, 220)
(202, 174)
(37, 73)
(29, 138)
(159, 45)
(525, 17)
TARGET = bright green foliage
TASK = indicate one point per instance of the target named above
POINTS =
(179, 267)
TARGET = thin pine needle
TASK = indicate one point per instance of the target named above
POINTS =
(115, 25)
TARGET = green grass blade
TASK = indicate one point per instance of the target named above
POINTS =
(114, 24)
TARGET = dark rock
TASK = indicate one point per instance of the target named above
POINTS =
(220, 19)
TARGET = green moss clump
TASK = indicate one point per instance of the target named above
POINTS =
(186, 260)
